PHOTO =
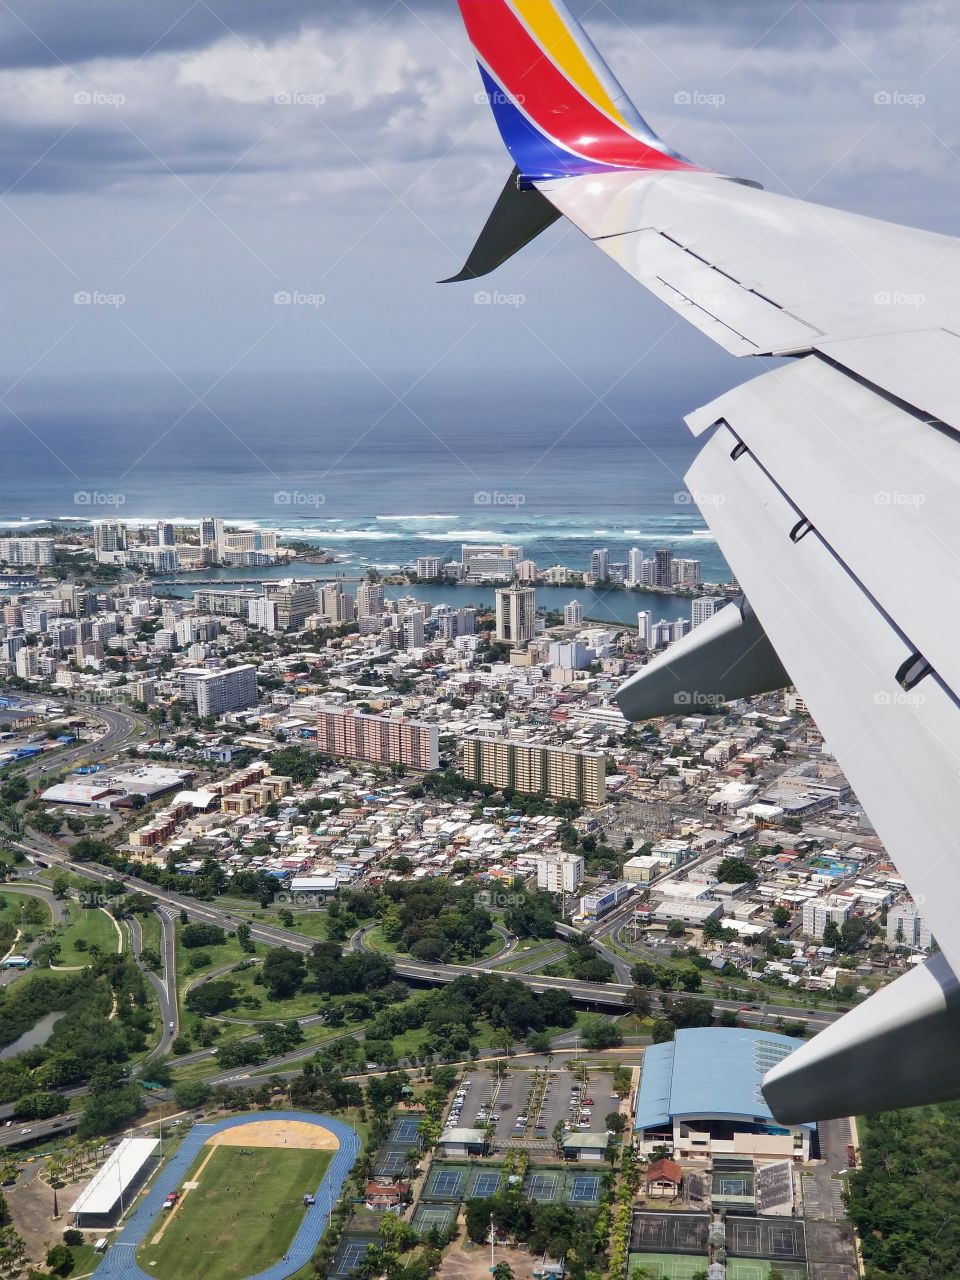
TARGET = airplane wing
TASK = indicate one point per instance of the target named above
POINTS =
(830, 483)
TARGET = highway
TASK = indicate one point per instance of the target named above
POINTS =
(165, 986)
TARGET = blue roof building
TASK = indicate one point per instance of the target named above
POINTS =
(700, 1096)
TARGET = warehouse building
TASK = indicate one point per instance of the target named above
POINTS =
(700, 1097)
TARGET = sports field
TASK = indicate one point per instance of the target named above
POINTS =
(240, 1205)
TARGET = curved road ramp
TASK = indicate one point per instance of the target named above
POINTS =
(275, 1129)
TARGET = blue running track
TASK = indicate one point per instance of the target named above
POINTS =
(120, 1262)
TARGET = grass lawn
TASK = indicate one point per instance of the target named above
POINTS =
(10, 904)
(536, 951)
(375, 941)
(630, 1025)
(297, 1006)
(85, 1260)
(91, 927)
(152, 933)
(241, 1217)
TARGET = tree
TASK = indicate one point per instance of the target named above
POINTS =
(202, 935)
(502, 1271)
(60, 1260)
(190, 1094)
(638, 1002)
(736, 871)
(284, 972)
(211, 997)
(781, 917)
(831, 934)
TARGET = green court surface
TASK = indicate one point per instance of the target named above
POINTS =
(760, 1268)
(670, 1266)
(244, 1207)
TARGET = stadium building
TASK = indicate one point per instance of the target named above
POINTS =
(700, 1097)
(115, 1184)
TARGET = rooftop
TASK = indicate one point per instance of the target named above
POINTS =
(710, 1071)
(110, 1181)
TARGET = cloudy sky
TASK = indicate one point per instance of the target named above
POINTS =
(195, 159)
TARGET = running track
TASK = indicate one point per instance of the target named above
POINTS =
(120, 1262)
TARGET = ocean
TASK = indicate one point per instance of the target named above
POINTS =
(376, 474)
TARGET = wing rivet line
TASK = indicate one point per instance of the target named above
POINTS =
(800, 530)
(915, 669)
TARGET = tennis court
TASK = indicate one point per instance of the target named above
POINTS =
(543, 1187)
(760, 1268)
(447, 1183)
(585, 1188)
(762, 1239)
(731, 1186)
(350, 1254)
(485, 1183)
(391, 1162)
(433, 1215)
(671, 1266)
(406, 1129)
(682, 1233)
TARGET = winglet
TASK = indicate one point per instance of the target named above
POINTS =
(517, 218)
(560, 109)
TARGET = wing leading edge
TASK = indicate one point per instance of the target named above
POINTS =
(833, 485)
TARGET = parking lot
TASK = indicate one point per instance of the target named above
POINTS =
(542, 1097)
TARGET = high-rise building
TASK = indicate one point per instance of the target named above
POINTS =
(600, 565)
(529, 767)
(225, 603)
(458, 622)
(560, 873)
(573, 614)
(165, 534)
(526, 570)
(295, 602)
(685, 573)
(334, 606)
(27, 660)
(703, 609)
(413, 623)
(211, 536)
(906, 927)
(370, 600)
(109, 535)
(262, 612)
(156, 559)
(819, 912)
(18, 551)
(516, 615)
(217, 692)
(429, 566)
(482, 563)
(634, 566)
(378, 739)
(617, 572)
(663, 568)
(645, 628)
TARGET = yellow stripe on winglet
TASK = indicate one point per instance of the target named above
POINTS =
(555, 37)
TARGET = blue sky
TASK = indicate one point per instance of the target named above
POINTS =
(182, 164)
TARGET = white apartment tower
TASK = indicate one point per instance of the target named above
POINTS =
(573, 614)
(560, 873)
(516, 615)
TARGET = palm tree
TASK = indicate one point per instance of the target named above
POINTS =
(502, 1271)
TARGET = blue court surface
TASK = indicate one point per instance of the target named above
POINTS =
(585, 1188)
(486, 1183)
(121, 1261)
(406, 1129)
(446, 1182)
